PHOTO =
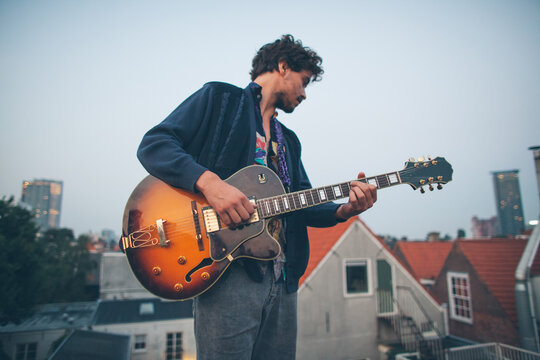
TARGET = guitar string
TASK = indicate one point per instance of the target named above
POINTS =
(187, 221)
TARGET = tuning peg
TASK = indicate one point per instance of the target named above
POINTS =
(421, 158)
(412, 159)
(439, 186)
(422, 190)
(429, 157)
(430, 187)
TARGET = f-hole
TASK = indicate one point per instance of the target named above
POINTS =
(203, 263)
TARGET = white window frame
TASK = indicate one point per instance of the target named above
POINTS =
(466, 296)
(143, 349)
(352, 262)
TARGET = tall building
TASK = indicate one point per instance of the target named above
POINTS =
(536, 152)
(508, 197)
(44, 198)
(485, 227)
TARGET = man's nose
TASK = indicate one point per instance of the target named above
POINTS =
(302, 95)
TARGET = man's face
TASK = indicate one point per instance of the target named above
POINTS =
(293, 89)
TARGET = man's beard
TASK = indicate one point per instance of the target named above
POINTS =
(281, 104)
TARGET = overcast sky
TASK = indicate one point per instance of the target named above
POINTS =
(82, 81)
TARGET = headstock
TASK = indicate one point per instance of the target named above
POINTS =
(426, 172)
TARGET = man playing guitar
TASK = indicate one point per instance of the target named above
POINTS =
(250, 313)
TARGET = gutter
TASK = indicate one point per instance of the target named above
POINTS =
(527, 320)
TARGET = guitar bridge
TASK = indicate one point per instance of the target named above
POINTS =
(163, 241)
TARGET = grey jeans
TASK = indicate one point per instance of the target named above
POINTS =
(242, 319)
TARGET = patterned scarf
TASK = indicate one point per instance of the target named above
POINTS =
(283, 172)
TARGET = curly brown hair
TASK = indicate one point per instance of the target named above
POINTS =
(297, 57)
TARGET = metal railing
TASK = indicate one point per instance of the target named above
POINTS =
(490, 351)
(410, 321)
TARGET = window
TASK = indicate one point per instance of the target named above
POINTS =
(140, 343)
(174, 346)
(459, 296)
(146, 308)
(356, 277)
(26, 351)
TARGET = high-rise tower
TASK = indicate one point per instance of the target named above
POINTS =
(44, 197)
(508, 197)
(536, 152)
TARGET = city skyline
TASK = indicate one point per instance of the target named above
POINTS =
(81, 84)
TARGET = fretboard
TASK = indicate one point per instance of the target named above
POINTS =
(281, 204)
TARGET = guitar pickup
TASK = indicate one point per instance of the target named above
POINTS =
(213, 224)
(211, 220)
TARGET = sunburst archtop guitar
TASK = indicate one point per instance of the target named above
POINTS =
(177, 247)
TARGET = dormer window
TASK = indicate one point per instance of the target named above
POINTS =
(146, 308)
(459, 296)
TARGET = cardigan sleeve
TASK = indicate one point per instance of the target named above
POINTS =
(162, 151)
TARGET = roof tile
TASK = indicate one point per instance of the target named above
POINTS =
(495, 261)
(425, 259)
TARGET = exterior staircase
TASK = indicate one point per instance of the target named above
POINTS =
(415, 330)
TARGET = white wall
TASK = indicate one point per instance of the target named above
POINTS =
(330, 325)
(117, 280)
(156, 336)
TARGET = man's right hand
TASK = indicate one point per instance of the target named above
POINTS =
(231, 205)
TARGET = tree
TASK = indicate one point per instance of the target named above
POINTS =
(38, 270)
(66, 266)
(20, 263)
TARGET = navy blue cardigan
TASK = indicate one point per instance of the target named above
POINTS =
(214, 129)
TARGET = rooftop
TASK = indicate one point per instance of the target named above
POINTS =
(56, 316)
(495, 262)
(424, 259)
(141, 310)
(92, 345)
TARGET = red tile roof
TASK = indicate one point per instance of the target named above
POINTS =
(424, 259)
(321, 240)
(495, 262)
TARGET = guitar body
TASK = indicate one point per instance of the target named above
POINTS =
(168, 246)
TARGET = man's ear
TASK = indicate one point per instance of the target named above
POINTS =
(283, 67)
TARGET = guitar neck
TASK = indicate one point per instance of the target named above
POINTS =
(286, 203)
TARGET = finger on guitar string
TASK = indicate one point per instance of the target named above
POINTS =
(232, 205)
